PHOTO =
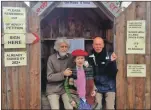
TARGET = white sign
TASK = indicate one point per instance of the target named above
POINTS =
(15, 58)
(14, 41)
(76, 44)
(14, 14)
(14, 20)
(136, 70)
(40, 7)
(77, 4)
(135, 37)
(112, 7)
(14, 27)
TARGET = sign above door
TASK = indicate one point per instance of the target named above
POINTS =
(77, 4)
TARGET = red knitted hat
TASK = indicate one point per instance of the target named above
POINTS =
(79, 52)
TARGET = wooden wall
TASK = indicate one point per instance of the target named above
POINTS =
(21, 85)
(74, 23)
(133, 93)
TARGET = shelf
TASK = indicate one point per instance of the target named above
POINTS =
(52, 39)
(55, 39)
(68, 38)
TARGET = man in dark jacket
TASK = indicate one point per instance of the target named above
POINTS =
(104, 66)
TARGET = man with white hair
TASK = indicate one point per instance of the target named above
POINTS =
(57, 69)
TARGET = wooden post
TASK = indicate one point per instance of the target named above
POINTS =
(130, 85)
(148, 57)
(120, 51)
(140, 59)
(34, 63)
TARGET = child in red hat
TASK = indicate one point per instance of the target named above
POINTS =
(80, 86)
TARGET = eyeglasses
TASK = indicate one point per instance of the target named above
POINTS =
(64, 46)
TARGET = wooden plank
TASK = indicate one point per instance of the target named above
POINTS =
(28, 66)
(120, 79)
(35, 77)
(4, 82)
(34, 69)
(140, 59)
(15, 92)
(15, 74)
(22, 87)
(9, 88)
(148, 57)
(130, 94)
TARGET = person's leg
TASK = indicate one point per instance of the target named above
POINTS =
(66, 102)
(99, 101)
(54, 101)
(110, 100)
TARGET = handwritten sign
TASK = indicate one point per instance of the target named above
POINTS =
(112, 7)
(14, 41)
(77, 4)
(13, 14)
(40, 7)
(14, 20)
(135, 37)
(15, 58)
(136, 70)
(14, 27)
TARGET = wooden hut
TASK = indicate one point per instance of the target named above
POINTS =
(23, 87)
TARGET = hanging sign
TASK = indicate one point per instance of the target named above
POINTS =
(14, 41)
(40, 7)
(13, 14)
(15, 58)
(77, 4)
(112, 7)
(136, 70)
(135, 37)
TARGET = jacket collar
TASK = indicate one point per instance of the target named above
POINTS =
(93, 57)
(75, 68)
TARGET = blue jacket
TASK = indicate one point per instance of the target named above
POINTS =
(104, 73)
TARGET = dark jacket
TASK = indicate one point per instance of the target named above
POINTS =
(105, 71)
(71, 90)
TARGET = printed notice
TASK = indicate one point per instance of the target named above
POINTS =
(15, 58)
(136, 70)
(14, 41)
(13, 14)
(135, 43)
(14, 27)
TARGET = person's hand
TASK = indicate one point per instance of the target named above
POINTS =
(67, 72)
(86, 64)
(113, 56)
(73, 103)
(93, 93)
